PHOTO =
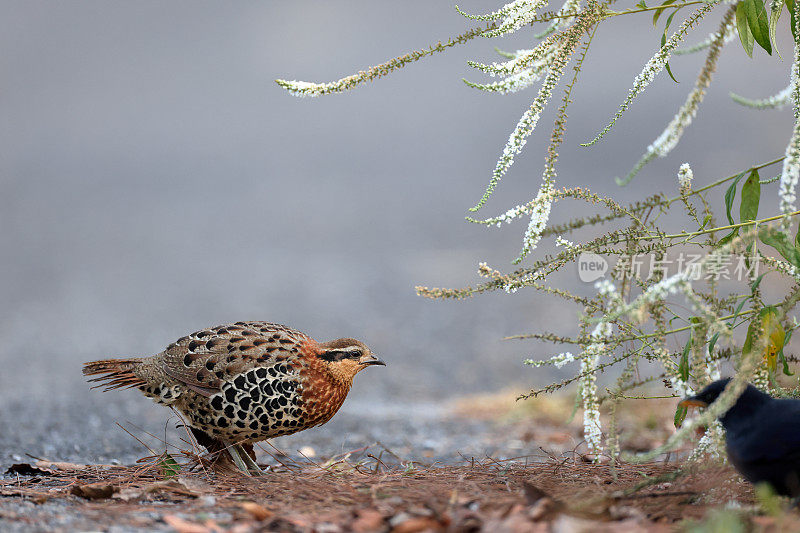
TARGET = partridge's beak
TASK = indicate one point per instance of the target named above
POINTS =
(692, 402)
(369, 360)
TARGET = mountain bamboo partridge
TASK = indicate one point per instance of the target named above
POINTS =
(245, 382)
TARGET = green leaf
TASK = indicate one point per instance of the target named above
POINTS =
(792, 20)
(641, 5)
(736, 313)
(712, 343)
(745, 35)
(748, 209)
(669, 71)
(797, 238)
(782, 357)
(751, 194)
(661, 10)
(663, 42)
(780, 241)
(758, 22)
(757, 282)
(664, 34)
(774, 16)
(785, 364)
(730, 196)
(747, 347)
(169, 467)
(503, 53)
(683, 366)
(728, 238)
(575, 406)
(706, 220)
(669, 21)
(680, 416)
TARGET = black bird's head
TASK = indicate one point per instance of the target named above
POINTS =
(750, 398)
(707, 396)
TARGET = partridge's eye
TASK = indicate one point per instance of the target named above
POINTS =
(355, 354)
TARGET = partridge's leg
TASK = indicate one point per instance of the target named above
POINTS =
(252, 466)
(233, 450)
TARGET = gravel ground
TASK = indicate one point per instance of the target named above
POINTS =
(83, 429)
(555, 495)
(82, 433)
(18, 515)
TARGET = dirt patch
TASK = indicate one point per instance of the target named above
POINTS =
(371, 495)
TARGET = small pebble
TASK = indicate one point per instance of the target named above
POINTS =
(308, 451)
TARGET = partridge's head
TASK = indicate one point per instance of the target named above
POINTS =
(347, 357)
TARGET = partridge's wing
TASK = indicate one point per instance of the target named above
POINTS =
(205, 359)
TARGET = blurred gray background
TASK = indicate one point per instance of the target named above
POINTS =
(155, 180)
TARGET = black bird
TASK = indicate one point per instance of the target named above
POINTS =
(762, 435)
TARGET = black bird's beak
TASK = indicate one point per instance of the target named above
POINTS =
(692, 401)
(371, 360)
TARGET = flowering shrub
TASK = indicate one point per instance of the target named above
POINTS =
(629, 320)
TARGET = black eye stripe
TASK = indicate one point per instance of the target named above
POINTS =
(332, 356)
(339, 355)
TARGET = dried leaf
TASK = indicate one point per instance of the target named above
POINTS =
(368, 520)
(128, 494)
(184, 526)
(64, 466)
(418, 524)
(24, 469)
(94, 491)
(533, 493)
(769, 324)
(259, 512)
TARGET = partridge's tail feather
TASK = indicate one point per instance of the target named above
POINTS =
(113, 373)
